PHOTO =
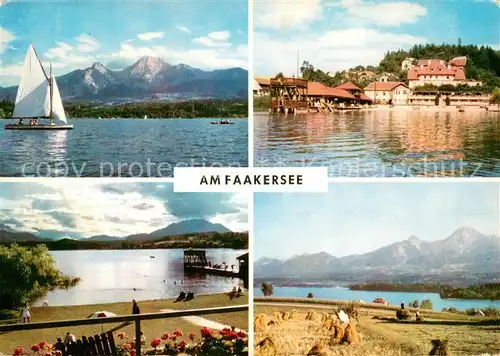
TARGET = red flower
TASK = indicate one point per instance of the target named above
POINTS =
(43, 344)
(178, 333)
(165, 336)
(192, 336)
(19, 351)
(182, 345)
(127, 346)
(35, 348)
(242, 334)
(133, 352)
(48, 354)
(58, 353)
(121, 335)
(155, 343)
(206, 332)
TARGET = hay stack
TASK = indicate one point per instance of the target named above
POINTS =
(312, 316)
(337, 333)
(440, 348)
(317, 350)
(286, 316)
(260, 322)
(267, 346)
(329, 323)
(278, 316)
(293, 314)
(351, 335)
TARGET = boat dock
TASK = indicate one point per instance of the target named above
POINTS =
(195, 261)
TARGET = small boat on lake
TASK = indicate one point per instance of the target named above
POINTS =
(145, 117)
(37, 98)
(222, 122)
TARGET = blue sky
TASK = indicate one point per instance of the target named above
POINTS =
(339, 34)
(355, 218)
(205, 34)
(56, 209)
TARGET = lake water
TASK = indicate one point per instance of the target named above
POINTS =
(111, 275)
(123, 147)
(394, 298)
(382, 143)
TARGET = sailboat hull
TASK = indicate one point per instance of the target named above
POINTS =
(38, 127)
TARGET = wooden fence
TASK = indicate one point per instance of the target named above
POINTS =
(106, 338)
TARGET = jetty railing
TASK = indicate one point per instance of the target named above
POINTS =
(136, 318)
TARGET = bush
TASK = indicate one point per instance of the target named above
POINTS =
(310, 295)
(8, 314)
(414, 304)
(450, 310)
(426, 304)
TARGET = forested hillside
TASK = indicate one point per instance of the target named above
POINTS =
(483, 64)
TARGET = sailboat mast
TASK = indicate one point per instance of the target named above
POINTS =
(51, 91)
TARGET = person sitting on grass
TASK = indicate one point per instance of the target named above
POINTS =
(181, 297)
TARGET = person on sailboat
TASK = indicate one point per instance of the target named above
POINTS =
(21, 121)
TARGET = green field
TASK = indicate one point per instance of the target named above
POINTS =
(151, 328)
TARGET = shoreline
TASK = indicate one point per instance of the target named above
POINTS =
(399, 108)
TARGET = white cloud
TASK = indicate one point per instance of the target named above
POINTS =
(87, 43)
(383, 13)
(331, 51)
(148, 36)
(278, 14)
(183, 29)
(5, 38)
(96, 209)
(215, 39)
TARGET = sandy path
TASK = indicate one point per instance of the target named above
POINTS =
(199, 321)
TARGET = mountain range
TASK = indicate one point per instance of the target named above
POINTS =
(149, 77)
(191, 226)
(464, 250)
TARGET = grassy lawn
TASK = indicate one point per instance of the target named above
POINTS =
(383, 335)
(151, 328)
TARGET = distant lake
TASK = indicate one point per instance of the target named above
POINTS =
(123, 147)
(394, 298)
(382, 143)
(111, 276)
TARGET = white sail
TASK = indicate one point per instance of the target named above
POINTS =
(57, 106)
(33, 93)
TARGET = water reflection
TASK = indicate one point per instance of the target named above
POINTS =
(123, 275)
(379, 143)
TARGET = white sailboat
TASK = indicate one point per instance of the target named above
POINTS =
(145, 117)
(38, 98)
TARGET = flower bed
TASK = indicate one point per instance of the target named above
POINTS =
(226, 342)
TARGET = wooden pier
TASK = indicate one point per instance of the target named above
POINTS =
(195, 261)
(288, 95)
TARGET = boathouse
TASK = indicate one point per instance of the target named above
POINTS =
(288, 95)
(195, 258)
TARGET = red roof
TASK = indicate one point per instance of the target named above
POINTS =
(365, 98)
(456, 72)
(384, 86)
(319, 89)
(348, 86)
(263, 80)
(459, 61)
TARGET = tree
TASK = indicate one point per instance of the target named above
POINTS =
(310, 295)
(495, 97)
(414, 304)
(28, 273)
(426, 304)
(267, 289)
